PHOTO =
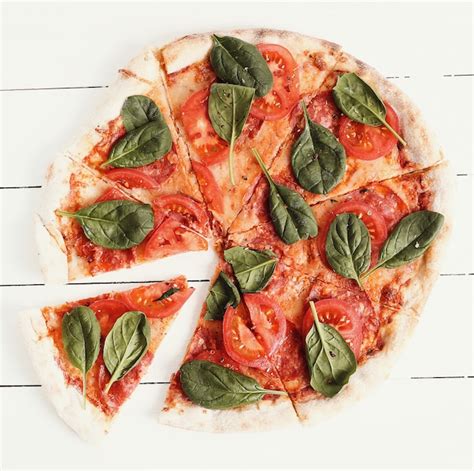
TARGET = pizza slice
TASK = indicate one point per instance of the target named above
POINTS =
(262, 83)
(91, 354)
(86, 226)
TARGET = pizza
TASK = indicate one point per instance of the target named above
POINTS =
(91, 354)
(316, 181)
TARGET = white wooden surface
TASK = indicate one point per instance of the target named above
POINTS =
(56, 59)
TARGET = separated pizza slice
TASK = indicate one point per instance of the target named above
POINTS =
(86, 226)
(91, 354)
(262, 76)
(226, 382)
(340, 142)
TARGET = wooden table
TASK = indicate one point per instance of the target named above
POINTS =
(57, 59)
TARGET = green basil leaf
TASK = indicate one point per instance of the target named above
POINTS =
(348, 246)
(330, 360)
(292, 217)
(126, 344)
(358, 101)
(252, 268)
(240, 63)
(141, 146)
(317, 158)
(81, 340)
(222, 295)
(138, 110)
(214, 387)
(167, 294)
(116, 224)
(228, 108)
(410, 239)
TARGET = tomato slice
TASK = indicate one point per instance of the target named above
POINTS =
(324, 111)
(145, 299)
(369, 142)
(268, 320)
(239, 341)
(209, 187)
(340, 315)
(198, 127)
(131, 178)
(107, 312)
(284, 94)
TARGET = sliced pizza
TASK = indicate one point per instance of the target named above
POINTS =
(91, 354)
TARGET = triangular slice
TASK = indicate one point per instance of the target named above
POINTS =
(47, 335)
(69, 251)
(299, 65)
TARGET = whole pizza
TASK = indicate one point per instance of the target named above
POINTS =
(320, 188)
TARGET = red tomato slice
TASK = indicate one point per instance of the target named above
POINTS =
(324, 111)
(107, 312)
(110, 195)
(284, 94)
(182, 208)
(340, 315)
(145, 299)
(239, 341)
(131, 178)
(368, 142)
(208, 145)
(166, 239)
(268, 320)
(208, 185)
(370, 216)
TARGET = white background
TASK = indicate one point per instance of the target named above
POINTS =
(56, 60)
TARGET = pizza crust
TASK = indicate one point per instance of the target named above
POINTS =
(90, 423)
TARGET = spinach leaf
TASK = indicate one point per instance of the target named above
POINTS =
(317, 158)
(168, 293)
(292, 217)
(222, 295)
(215, 387)
(358, 101)
(81, 340)
(116, 224)
(409, 240)
(141, 146)
(330, 360)
(240, 63)
(138, 110)
(348, 246)
(252, 268)
(125, 345)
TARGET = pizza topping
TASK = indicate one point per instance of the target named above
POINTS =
(81, 340)
(219, 357)
(161, 170)
(116, 224)
(318, 159)
(132, 178)
(125, 345)
(215, 387)
(198, 127)
(111, 194)
(138, 110)
(240, 63)
(330, 360)
(208, 186)
(292, 217)
(107, 312)
(158, 301)
(359, 102)
(229, 107)
(222, 295)
(323, 110)
(252, 268)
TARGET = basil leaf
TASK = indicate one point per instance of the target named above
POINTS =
(252, 268)
(348, 246)
(330, 360)
(141, 146)
(214, 387)
(240, 63)
(116, 224)
(81, 340)
(222, 295)
(138, 110)
(317, 158)
(228, 108)
(292, 217)
(167, 294)
(358, 101)
(126, 344)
